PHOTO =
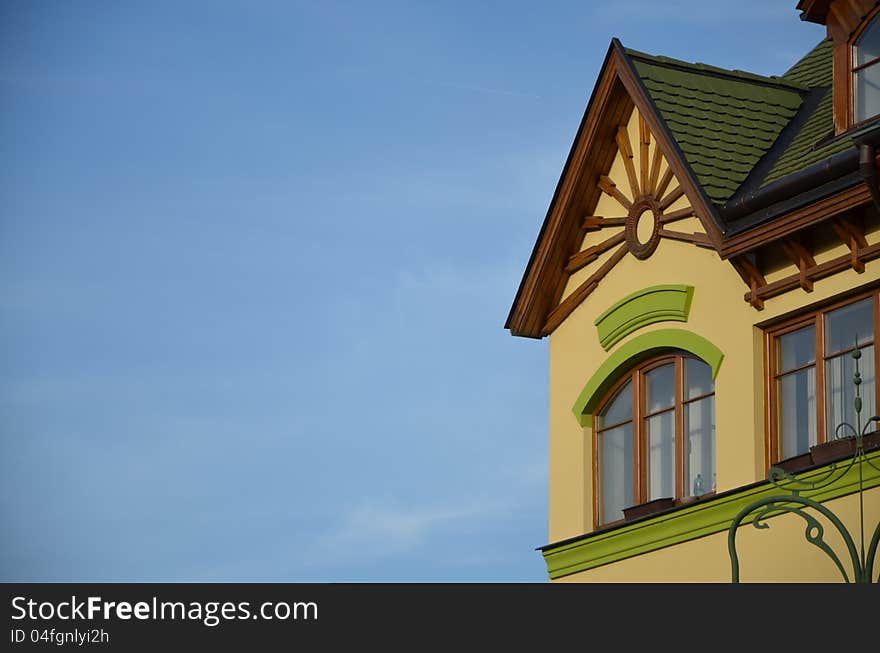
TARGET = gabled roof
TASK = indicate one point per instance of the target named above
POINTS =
(746, 148)
(616, 92)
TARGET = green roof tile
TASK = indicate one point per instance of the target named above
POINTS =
(727, 121)
(723, 121)
(815, 68)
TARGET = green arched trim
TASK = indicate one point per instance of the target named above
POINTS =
(643, 307)
(637, 350)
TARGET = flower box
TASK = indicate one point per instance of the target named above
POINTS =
(649, 508)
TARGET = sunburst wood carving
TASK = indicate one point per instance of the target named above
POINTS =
(644, 218)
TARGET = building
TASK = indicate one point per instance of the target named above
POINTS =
(709, 257)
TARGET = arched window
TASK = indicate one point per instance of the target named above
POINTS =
(654, 436)
(866, 73)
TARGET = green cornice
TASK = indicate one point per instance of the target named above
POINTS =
(643, 307)
(688, 523)
(632, 352)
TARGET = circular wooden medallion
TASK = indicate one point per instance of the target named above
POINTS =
(643, 228)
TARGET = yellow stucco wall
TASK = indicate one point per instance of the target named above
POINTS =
(719, 314)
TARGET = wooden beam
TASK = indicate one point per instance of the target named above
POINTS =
(564, 309)
(753, 279)
(644, 146)
(686, 212)
(623, 146)
(820, 271)
(671, 198)
(698, 239)
(843, 17)
(656, 160)
(590, 254)
(610, 188)
(854, 238)
(592, 222)
(841, 73)
(663, 184)
(802, 258)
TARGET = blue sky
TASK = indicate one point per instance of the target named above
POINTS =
(255, 261)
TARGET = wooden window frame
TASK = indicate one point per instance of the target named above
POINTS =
(843, 74)
(815, 318)
(637, 377)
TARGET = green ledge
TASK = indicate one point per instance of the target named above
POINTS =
(637, 349)
(689, 523)
(644, 307)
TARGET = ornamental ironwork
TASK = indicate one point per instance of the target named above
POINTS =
(858, 562)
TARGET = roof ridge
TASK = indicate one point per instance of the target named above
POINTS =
(703, 68)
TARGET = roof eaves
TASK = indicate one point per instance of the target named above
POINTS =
(543, 231)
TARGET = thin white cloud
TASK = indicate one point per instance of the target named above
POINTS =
(371, 529)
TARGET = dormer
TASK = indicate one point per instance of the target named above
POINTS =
(854, 28)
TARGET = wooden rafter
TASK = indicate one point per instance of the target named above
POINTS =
(564, 309)
(610, 188)
(663, 184)
(656, 160)
(686, 212)
(696, 238)
(753, 278)
(796, 251)
(820, 271)
(671, 198)
(592, 222)
(644, 147)
(854, 238)
(590, 254)
(626, 152)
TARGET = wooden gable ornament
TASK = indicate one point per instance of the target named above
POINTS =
(655, 178)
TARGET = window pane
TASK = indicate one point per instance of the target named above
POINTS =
(866, 82)
(840, 391)
(797, 348)
(797, 412)
(660, 388)
(697, 378)
(845, 324)
(866, 92)
(868, 44)
(619, 408)
(699, 438)
(615, 473)
(660, 437)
